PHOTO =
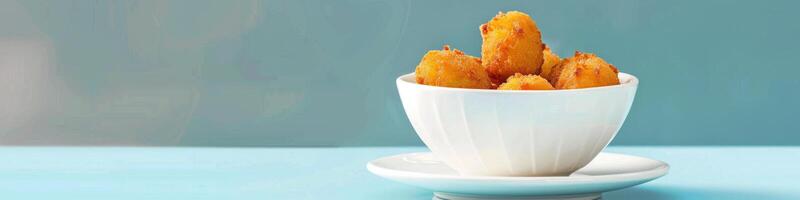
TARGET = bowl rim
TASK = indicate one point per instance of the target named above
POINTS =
(626, 81)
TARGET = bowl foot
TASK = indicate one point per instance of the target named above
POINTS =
(451, 196)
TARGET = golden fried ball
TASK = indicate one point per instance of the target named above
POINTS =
(511, 44)
(582, 71)
(525, 82)
(550, 60)
(452, 68)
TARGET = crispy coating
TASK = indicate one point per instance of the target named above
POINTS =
(582, 71)
(452, 68)
(550, 60)
(525, 82)
(511, 44)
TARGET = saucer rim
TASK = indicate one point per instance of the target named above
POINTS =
(649, 174)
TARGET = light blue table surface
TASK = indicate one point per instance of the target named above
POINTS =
(339, 173)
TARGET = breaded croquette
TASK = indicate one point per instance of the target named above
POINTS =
(452, 68)
(525, 82)
(582, 71)
(511, 44)
(550, 60)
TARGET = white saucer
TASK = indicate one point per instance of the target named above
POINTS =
(607, 172)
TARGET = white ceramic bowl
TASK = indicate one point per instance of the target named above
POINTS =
(516, 133)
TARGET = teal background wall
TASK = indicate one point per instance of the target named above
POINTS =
(321, 73)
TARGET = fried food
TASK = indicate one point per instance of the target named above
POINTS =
(550, 60)
(525, 82)
(452, 68)
(511, 44)
(582, 71)
(513, 57)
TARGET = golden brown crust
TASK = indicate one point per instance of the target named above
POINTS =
(512, 44)
(525, 82)
(452, 68)
(583, 70)
(550, 61)
(513, 57)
